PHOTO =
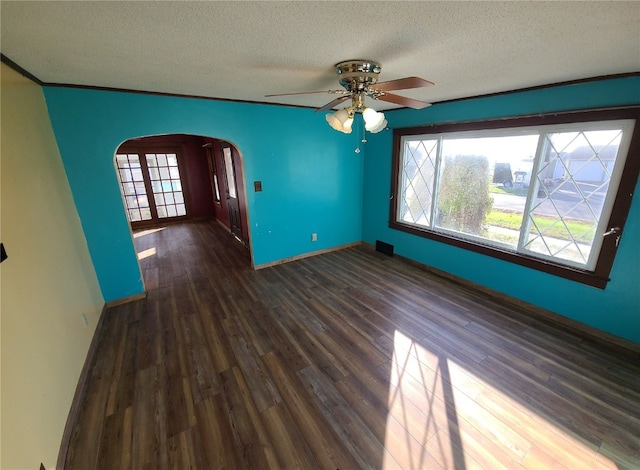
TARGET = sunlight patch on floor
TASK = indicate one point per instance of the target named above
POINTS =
(442, 416)
(147, 253)
(142, 233)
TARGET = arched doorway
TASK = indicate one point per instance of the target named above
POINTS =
(180, 177)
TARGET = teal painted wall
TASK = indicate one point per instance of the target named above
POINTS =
(311, 178)
(615, 309)
(314, 182)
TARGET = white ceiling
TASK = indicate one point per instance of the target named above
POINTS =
(245, 50)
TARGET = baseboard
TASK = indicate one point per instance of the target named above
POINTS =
(305, 255)
(582, 329)
(126, 300)
(223, 225)
(81, 390)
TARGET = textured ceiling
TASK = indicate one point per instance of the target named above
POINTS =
(245, 50)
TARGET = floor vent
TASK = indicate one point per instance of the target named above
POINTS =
(385, 248)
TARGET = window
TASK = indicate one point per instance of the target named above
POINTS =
(544, 192)
(157, 174)
(231, 178)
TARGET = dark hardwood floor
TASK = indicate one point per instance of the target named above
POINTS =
(345, 360)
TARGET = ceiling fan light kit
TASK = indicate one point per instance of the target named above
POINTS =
(374, 121)
(341, 120)
(359, 78)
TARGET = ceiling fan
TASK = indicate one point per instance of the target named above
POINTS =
(359, 78)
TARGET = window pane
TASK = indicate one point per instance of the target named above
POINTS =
(217, 188)
(231, 179)
(572, 184)
(125, 175)
(162, 159)
(136, 173)
(181, 209)
(134, 215)
(417, 179)
(140, 189)
(463, 198)
(484, 185)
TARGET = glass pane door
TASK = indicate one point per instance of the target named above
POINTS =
(165, 184)
(133, 188)
(151, 186)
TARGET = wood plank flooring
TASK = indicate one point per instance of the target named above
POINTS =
(346, 360)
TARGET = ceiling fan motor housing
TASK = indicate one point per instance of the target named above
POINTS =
(357, 75)
(359, 78)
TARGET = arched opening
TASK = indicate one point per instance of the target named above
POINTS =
(176, 178)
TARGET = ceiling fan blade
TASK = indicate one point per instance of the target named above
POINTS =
(308, 93)
(403, 100)
(402, 84)
(331, 104)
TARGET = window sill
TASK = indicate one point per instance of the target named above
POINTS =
(574, 274)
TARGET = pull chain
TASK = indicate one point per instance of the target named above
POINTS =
(363, 139)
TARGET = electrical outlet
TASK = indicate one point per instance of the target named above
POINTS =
(84, 320)
(314, 237)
